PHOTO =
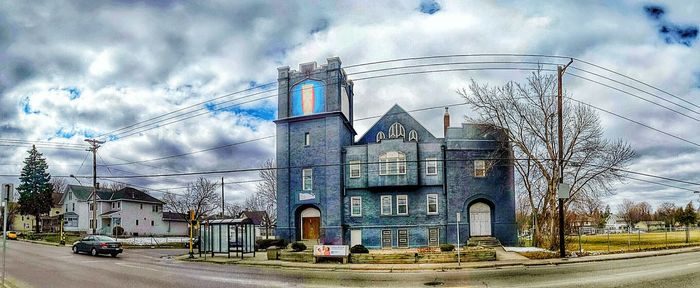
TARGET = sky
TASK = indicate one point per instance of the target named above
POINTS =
(71, 70)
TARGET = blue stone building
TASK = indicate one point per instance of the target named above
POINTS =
(396, 186)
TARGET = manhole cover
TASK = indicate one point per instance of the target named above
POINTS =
(434, 283)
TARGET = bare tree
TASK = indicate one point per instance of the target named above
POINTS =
(667, 213)
(201, 196)
(233, 209)
(626, 212)
(116, 186)
(265, 196)
(60, 185)
(527, 112)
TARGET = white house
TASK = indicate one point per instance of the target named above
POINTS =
(135, 211)
(615, 224)
(259, 219)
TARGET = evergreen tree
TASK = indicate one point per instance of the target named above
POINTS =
(35, 188)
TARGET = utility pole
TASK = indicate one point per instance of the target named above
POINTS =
(94, 144)
(223, 204)
(560, 74)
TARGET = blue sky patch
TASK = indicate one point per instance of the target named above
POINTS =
(262, 113)
(654, 12)
(318, 26)
(26, 108)
(671, 33)
(73, 92)
(64, 133)
(429, 6)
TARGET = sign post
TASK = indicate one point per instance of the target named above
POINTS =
(191, 228)
(459, 258)
(7, 189)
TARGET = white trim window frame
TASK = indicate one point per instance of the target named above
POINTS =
(307, 139)
(392, 163)
(432, 200)
(479, 168)
(401, 200)
(307, 179)
(355, 169)
(431, 164)
(385, 205)
(356, 203)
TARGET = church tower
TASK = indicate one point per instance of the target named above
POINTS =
(314, 123)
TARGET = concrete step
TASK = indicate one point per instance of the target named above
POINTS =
(484, 242)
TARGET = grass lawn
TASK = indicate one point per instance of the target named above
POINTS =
(56, 238)
(631, 242)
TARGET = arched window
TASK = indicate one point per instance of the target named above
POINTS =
(392, 163)
(380, 136)
(396, 130)
(413, 135)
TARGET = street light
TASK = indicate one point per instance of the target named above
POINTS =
(76, 179)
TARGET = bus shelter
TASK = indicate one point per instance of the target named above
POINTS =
(226, 236)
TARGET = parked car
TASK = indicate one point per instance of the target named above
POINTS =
(12, 235)
(97, 244)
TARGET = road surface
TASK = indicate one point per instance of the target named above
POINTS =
(35, 265)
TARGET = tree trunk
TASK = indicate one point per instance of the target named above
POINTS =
(37, 226)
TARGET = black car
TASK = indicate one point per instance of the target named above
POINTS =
(97, 244)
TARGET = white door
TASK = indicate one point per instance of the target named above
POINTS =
(480, 220)
(355, 237)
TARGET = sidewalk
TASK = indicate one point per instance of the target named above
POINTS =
(260, 259)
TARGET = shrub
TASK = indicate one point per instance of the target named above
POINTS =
(298, 246)
(266, 243)
(447, 247)
(358, 249)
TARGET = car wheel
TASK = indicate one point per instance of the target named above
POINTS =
(75, 249)
(114, 255)
(93, 252)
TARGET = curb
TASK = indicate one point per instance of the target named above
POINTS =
(449, 266)
(41, 242)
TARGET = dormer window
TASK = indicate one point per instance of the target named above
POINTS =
(413, 136)
(380, 136)
(396, 130)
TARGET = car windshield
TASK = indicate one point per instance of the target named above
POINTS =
(104, 239)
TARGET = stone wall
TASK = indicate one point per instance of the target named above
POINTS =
(470, 255)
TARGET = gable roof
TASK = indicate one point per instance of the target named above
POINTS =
(394, 115)
(132, 194)
(56, 198)
(258, 217)
(84, 192)
(125, 194)
(173, 216)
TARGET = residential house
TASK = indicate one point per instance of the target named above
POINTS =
(650, 225)
(262, 230)
(398, 185)
(175, 223)
(135, 211)
(615, 224)
(49, 221)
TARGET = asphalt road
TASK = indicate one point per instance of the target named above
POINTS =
(34, 265)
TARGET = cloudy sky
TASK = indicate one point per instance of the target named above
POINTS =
(71, 70)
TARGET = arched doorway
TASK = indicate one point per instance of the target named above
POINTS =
(310, 223)
(480, 219)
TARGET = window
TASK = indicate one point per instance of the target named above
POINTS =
(431, 166)
(402, 204)
(396, 130)
(392, 163)
(112, 205)
(432, 204)
(70, 196)
(119, 204)
(479, 168)
(413, 136)
(386, 238)
(155, 208)
(141, 206)
(137, 222)
(354, 169)
(92, 207)
(152, 223)
(386, 205)
(73, 208)
(433, 237)
(380, 136)
(356, 206)
(307, 179)
(307, 139)
(402, 238)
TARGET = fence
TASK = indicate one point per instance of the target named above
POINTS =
(616, 241)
